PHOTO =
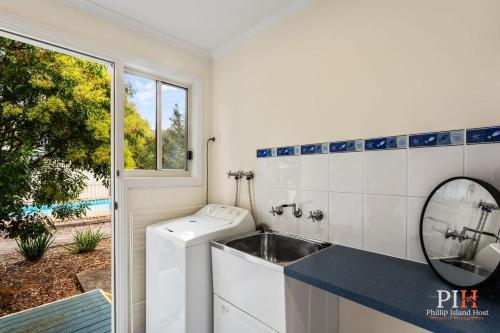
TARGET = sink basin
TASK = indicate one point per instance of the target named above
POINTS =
(249, 273)
(468, 266)
(275, 247)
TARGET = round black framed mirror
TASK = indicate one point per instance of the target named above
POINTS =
(460, 231)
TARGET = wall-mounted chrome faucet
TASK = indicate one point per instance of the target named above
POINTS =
(315, 216)
(297, 212)
(471, 250)
(236, 174)
(249, 175)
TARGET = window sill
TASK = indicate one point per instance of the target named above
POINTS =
(157, 173)
(160, 178)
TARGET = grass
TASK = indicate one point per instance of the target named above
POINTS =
(33, 248)
(87, 240)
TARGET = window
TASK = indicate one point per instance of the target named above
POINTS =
(174, 104)
(156, 124)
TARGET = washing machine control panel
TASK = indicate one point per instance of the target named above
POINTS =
(224, 212)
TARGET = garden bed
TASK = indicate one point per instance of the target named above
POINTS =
(24, 284)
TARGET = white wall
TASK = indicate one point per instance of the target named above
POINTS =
(348, 69)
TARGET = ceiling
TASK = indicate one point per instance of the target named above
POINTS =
(203, 26)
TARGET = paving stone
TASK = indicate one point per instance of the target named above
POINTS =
(90, 280)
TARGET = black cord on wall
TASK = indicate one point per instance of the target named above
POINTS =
(208, 141)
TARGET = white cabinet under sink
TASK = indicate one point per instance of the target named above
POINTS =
(229, 319)
(255, 296)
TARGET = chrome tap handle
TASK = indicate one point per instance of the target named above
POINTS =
(316, 216)
(272, 211)
(276, 211)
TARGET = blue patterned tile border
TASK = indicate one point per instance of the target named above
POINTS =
(317, 148)
(385, 143)
(431, 139)
(288, 151)
(483, 135)
(346, 146)
(448, 138)
(264, 153)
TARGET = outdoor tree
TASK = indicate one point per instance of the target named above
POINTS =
(54, 129)
(173, 141)
(140, 140)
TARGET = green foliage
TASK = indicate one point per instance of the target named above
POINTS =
(55, 126)
(33, 249)
(173, 141)
(70, 212)
(140, 139)
(31, 226)
(87, 240)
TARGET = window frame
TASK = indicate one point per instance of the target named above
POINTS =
(159, 171)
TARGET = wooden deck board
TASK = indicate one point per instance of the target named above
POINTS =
(87, 312)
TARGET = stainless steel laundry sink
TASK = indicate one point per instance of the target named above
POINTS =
(275, 247)
(249, 273)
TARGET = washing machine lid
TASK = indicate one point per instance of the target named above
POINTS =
(194, 229)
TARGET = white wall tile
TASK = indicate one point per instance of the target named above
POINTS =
(483, 162)
(346, 222)
(428, 167)
(385, 225)
(269, 198)
(385, 172)
(310, 201)
(414, 248)
(263, 203)
(314, 172)
(346, 172)
(287, 172)
(265, 172)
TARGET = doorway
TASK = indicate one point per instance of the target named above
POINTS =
(57, 174)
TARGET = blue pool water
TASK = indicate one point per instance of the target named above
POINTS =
(95, 206)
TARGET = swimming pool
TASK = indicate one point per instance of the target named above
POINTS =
(96, 207)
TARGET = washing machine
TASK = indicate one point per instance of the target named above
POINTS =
(178, 267)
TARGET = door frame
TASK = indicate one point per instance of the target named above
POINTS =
(26, 31)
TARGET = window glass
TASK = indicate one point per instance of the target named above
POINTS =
(174, 103)
(140, 123)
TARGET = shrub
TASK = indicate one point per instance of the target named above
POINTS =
(30, 226)
(33, 248)
(88, 239)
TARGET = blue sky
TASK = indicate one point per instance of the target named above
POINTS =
(145, 100)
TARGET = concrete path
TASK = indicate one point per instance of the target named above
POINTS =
(63, 236)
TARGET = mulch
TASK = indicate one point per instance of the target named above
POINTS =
(25, 284)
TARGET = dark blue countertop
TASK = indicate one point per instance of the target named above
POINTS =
(400, 288)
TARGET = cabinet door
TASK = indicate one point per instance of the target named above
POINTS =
(229, 319)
